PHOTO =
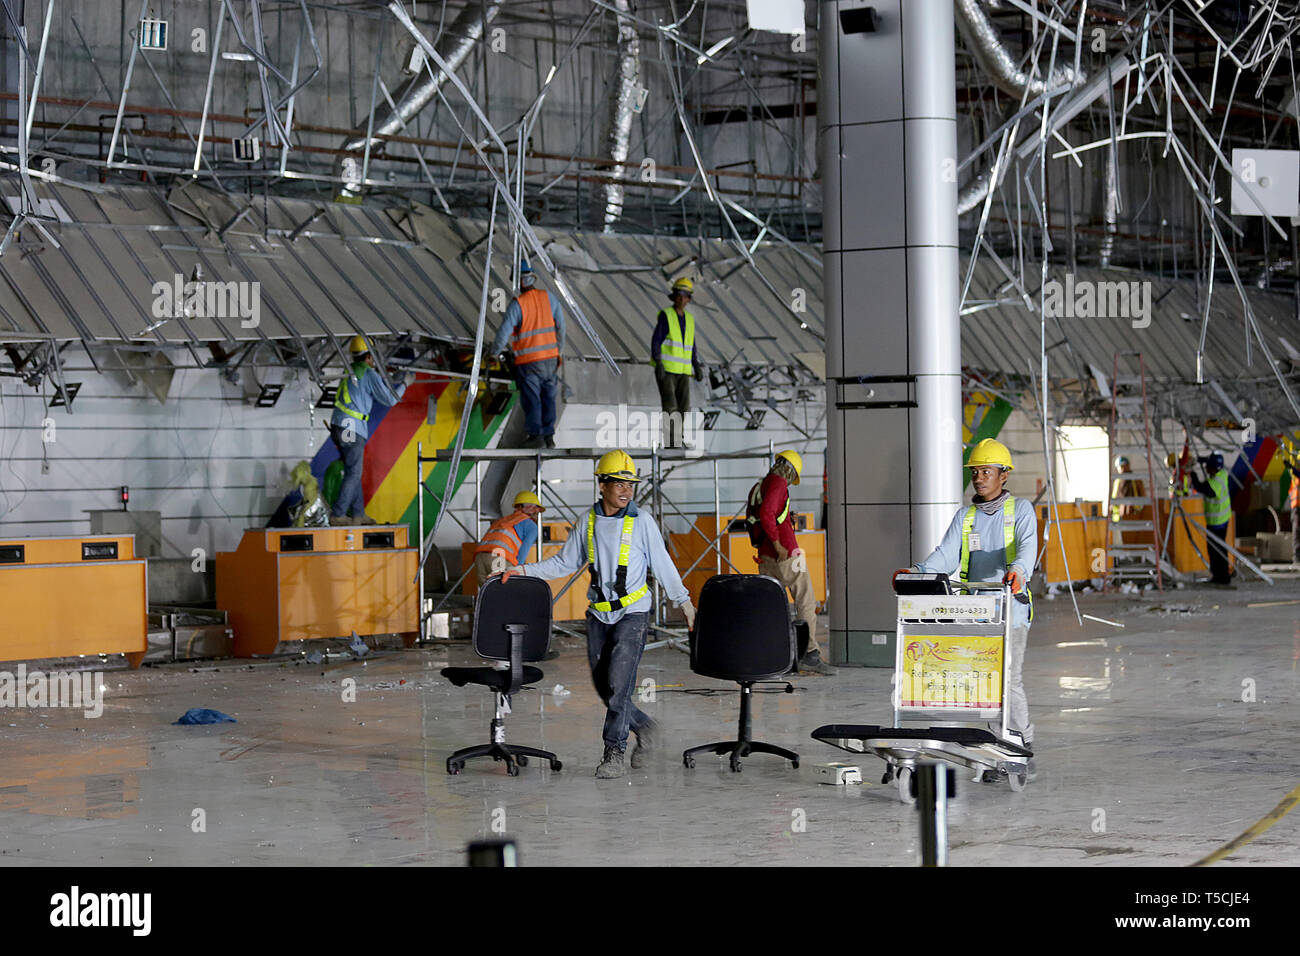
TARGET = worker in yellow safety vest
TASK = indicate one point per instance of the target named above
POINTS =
(357, 393)
(767, 513)
(1293, 498)
(672, 353)
(620, 545)
(509, 538)
(995, 538)
(1218, 512)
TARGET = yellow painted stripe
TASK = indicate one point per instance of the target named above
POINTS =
(1277, 813)
(396, 492)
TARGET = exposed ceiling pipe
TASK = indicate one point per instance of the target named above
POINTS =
(622, 105)
(455, 44)
(1003, 68)
(1110, 209)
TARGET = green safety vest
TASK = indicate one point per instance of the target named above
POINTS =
(756, 500)
(1218, 509)
(677, 348)
(343, 397)
(1008, 540)
(620, 578)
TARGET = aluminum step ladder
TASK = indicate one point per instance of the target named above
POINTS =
(1128, 559)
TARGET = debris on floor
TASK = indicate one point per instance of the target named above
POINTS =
(202, 715)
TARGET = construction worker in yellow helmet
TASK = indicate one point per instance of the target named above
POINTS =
(509, 538)
(995, 539)
(771, 531)
(673, 355)
(360, 389)
(620, 545)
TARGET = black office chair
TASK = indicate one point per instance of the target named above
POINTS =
(743, 632)
(512, 622)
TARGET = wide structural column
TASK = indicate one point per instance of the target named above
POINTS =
(886, 117)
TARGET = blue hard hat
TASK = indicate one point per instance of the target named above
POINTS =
(1216, 460)
(524, 267)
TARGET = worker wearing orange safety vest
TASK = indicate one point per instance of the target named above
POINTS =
(509, 539)
(534, 327)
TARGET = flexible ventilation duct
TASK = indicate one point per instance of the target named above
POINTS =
(622, 99)
(455, 44)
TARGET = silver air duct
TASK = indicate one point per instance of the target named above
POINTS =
(1110, 209)
(998, 62)
(622, 99)
(455, 44)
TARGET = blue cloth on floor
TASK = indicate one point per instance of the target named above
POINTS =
(201, 715)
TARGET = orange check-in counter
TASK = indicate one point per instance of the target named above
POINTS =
(69, 596)
(736, 546)
(295, 584)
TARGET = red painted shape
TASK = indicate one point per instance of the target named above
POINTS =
(397, 429)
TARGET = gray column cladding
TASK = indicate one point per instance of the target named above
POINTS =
(888, 139)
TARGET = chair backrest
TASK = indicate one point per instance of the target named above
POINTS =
(743, 629)
(520, 600)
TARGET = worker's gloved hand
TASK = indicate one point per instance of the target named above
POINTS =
(798, 560)
(1014, 578)
(689, 610)
(699, 374)
(510, 572)
(498, 564)
(898, 572)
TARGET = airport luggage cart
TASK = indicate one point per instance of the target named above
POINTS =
(951, 663)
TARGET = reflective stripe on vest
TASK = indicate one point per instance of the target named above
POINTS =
(677, 348)
(534, 339)
(343, 397)
(1008, 542)
(620, 578)
(756, 500)
(1218, 509)
(502, 534)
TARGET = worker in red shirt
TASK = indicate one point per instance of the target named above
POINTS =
(779, 555)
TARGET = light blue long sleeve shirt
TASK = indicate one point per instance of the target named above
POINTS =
(515, 315)
(363, 395)
(989, 561)
(647, 553)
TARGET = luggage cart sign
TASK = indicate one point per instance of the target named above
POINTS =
(952, 671)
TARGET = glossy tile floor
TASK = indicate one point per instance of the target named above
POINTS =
(1147, 755)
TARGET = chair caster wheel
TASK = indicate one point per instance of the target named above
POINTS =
(512, 769)
(522, 761)
(736, 766)
(794, 765)
(557, 765)
(689, 762)
(454, 768)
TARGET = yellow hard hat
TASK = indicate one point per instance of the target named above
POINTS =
(617, 464)
(528, 498)
(795, 460)
(990, 452)
(358, 345)
(684, 285)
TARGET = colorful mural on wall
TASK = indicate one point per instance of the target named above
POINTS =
(388, 482)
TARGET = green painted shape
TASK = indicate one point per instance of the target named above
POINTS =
(333, 481)
(989, 427)
(477, 436)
